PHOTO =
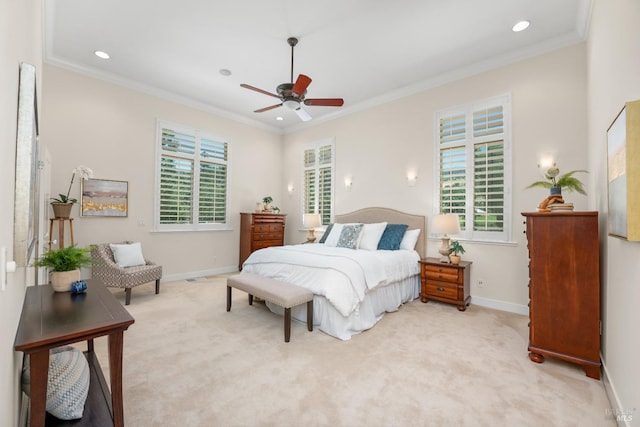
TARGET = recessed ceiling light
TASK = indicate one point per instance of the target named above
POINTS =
(225, 72)
(279, 118)
(101, 54)
(520, 26)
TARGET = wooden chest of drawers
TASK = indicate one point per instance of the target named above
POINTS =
(445, 282)
(259, 230)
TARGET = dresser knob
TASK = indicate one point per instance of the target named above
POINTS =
(441, 289)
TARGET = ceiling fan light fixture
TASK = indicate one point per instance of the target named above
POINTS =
(291, 104)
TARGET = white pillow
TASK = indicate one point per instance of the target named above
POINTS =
(410, 239)
(128, 254)
(371, 234)
(334, 235)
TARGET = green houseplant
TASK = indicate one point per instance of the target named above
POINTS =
(62, 204)
(556, 182)
(455, 250)
(65, 264)
(267, 201)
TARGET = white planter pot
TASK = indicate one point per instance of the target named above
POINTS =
(61, 280)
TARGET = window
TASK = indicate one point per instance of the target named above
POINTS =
(474, 167)
(318, 180)
(192, 179)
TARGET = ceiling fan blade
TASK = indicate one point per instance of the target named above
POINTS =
(324, 102)
(301, 85)
(262, 110)
(304, 116)
(246, 86)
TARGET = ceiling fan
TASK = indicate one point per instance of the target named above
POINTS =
(292, 95)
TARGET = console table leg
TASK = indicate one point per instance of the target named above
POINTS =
(39, 366)
(115, 372)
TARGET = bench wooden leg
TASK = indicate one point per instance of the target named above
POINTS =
(250, 299)
(310, 315)
(228, 298)
(157, 286)
(127, 298)
(287, 324)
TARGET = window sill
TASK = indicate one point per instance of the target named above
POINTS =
(479, 242)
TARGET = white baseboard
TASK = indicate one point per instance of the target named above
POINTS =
(201, 273)
(622, 416)
(500, 305)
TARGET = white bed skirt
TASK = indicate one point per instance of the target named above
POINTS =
(376, 303)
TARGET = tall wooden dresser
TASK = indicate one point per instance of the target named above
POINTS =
(564, 288)
(259, 230)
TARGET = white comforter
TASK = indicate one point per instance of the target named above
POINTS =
(343, 276)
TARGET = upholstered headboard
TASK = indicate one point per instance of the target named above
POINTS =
(392, 216)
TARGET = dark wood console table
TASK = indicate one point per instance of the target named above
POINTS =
(51, 319)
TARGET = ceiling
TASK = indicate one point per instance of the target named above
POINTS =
(365, 51)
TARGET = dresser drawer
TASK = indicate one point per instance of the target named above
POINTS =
(441, 289)
(259, 244)
(268, 236)
(267, 228)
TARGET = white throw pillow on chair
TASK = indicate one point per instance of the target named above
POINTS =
(127, 254)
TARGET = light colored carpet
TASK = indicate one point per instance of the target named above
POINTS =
(187, 362)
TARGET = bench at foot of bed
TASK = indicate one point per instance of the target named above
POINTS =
(283, 294)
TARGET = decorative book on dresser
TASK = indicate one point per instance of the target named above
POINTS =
(564, 288)
(259, 230)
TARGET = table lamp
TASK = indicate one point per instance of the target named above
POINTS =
(445, 224)
(311, 221)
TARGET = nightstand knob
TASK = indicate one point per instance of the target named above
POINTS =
(441, 289)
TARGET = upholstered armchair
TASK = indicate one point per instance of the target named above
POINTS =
(113, 275)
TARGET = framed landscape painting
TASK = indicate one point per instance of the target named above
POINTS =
(103, 198)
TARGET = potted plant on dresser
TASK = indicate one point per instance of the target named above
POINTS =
(65, 264)
(455, 251)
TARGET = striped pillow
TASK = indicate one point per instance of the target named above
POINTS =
(67, 385)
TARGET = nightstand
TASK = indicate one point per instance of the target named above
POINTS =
(445, 282)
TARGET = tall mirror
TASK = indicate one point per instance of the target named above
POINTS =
(26, 186)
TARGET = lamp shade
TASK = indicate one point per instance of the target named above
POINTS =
(445, 224)
(311, 220)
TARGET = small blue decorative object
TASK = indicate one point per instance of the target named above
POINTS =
(78, 287)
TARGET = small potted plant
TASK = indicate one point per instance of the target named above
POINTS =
(455, 250)
(267, 203)
(556, 183)
(65, 264)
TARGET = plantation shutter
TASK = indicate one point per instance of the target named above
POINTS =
(474, 168)
(193, 179)
(318, 181)
(176, 177)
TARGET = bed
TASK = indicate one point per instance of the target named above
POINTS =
(353, 287)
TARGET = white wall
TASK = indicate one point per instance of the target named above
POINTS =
(614, 78)
(377, 147)
(112, 130)
(20, 41)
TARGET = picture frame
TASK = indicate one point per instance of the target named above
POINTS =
(623, 175)
(27, 191)
(104, 198)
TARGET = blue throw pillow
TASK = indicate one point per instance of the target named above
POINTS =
(392, 237)
(326, 233)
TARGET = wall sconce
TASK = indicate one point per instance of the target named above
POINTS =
(290, 189)
(412, 177)
(546, 161)
(348, 182)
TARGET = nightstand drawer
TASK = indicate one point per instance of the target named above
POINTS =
(444, 290)
(444, 274)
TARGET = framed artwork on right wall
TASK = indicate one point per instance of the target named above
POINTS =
(623, 173)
